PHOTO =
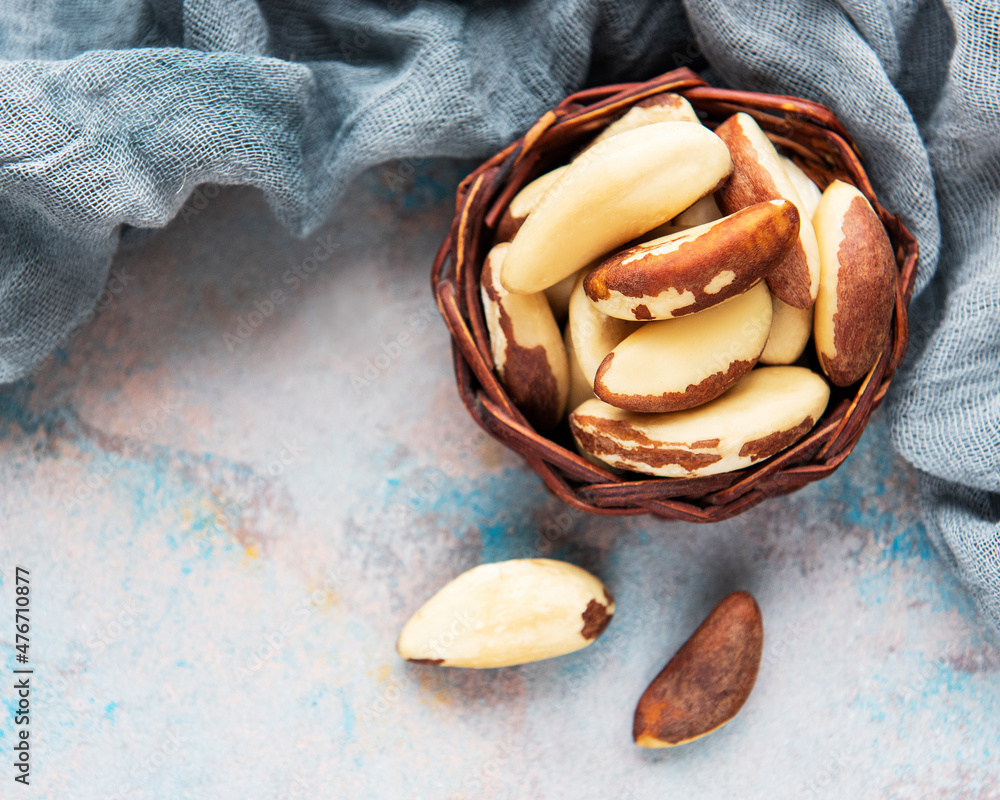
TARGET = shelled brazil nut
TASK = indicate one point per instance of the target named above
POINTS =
(768, 410)
(858, 286)
(703, 355)
(759, 175)
(696, 268)
(527, 347)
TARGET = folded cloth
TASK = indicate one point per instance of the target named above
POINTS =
(113, 111)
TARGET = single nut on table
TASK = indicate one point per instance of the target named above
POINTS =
(809, 192)
(698, 268)
(511, 612)
(524, 203)
(857, 292)
(594, 333)
(767, 411)
(709, 679)
(791, 328)
(665, 107)
(610, 194)
(675, 364)
(527, 347)
(759, 175)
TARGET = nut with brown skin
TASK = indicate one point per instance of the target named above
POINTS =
(697, 268)
(770, 409)
(511, 612)
(857, 291)
(527, 347)
(759, 175)
(709, 679)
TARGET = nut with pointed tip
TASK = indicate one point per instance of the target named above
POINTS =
(675, 364)
(527, 347)
(709, 679)
(507, 613)
(857, 292)
(697, 268)
(759, 175)
(610, 194)
(767, 411)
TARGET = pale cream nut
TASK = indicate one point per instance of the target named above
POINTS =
(767, 411)
(681, 363)
(759, 175)
(507, 613)
(580, 389)
(702, 212)
(791, 328)
(594, 333)
(527, 347)
(558, 296)
(696, 269)
(857, 291)
(665, 107)
(610, 194)
(809, 192)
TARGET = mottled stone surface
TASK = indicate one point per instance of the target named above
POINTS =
(227, 526)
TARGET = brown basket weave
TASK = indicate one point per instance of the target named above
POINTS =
(816, 141)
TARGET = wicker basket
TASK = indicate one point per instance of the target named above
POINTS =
(816, 141)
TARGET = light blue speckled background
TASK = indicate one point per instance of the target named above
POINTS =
(214, 613)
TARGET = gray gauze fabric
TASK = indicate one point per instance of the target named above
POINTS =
(113, 111)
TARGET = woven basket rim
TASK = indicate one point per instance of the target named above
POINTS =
(814, 139)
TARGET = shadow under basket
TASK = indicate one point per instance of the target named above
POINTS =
(805, 131)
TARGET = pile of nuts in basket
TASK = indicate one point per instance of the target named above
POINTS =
(689, 270)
